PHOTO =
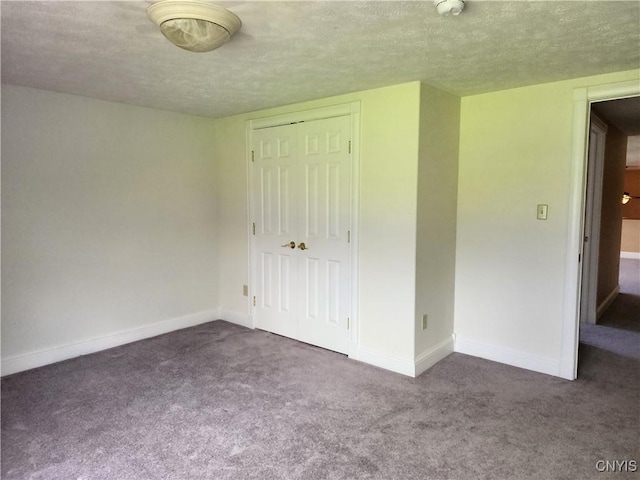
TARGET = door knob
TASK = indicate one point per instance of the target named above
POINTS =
(291, 244)
(302, 246)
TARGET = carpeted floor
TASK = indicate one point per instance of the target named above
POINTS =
(624, 312)
(618, 330)
(219, 401)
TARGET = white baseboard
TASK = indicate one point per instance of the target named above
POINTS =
(432, 356)
(64, 352)
(632, 255)
(399, 365)
(243, 319)
(508, 356)
(607, 302)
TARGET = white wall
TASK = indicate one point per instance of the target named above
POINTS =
(515, 153)
(109, 220)
(436, 223)
(108, 224)
(387, 233)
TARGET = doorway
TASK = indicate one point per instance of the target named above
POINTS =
(583, 99)
(302, 228)
(610, 306)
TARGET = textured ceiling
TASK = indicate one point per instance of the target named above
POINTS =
(623, 113)
(288, 52)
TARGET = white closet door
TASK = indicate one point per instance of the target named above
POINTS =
(324, 267)
(301, 179)
(275, 212)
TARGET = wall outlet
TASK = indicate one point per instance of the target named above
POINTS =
(245, 290)
(424, 321)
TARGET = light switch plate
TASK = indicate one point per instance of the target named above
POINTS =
(542, 212)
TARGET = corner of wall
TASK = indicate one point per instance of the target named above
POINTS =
(59, 353)
(430, 357)
(242, 319)
(436, 225)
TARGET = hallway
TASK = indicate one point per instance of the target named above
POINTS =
(618, 330)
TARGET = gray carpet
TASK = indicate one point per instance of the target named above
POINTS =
(624, 312)
(618, 330)
(219, 401)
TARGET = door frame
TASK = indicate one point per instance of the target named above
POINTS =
(582, 100)
(351, 109)
(592, 218)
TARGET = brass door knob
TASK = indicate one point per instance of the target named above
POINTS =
(291, 245)
(302, 246)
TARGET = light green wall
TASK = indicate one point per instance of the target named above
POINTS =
(515, 153)
(388, 191)
(387, 228)
(436, 216)
(108, 220)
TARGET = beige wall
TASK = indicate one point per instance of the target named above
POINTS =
(515, 153)
(436, 220)
(630, 235)
(108, 219)
(615, 156)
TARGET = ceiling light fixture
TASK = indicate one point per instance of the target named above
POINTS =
(194, 25)
(449, 7)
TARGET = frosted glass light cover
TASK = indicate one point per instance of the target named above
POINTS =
(194, 25)
(449, 7)
(194, 35)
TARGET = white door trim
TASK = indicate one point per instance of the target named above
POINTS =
(582, 99)
(353, 110)
(305, 116)
(592, 218)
